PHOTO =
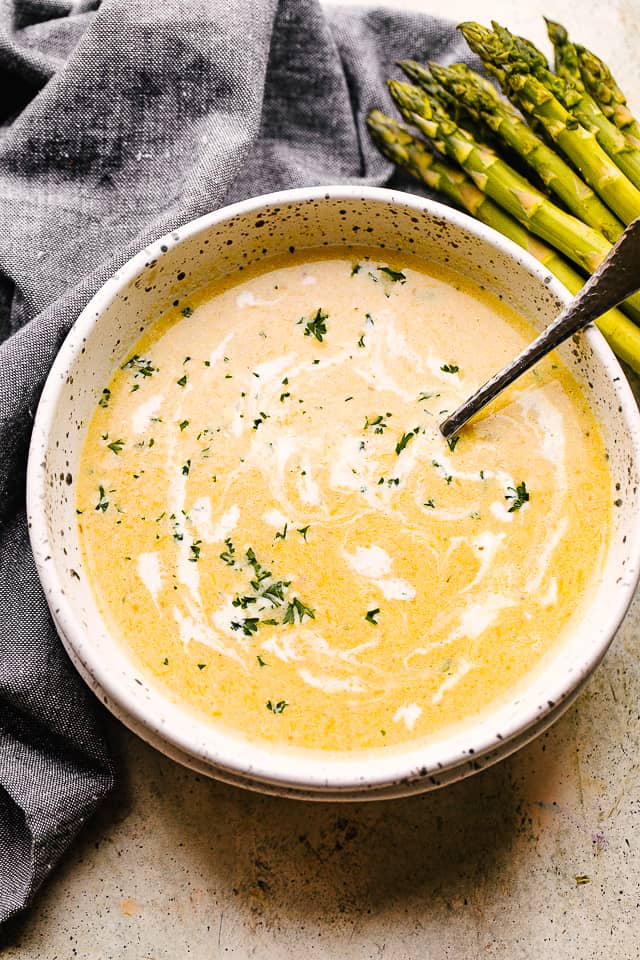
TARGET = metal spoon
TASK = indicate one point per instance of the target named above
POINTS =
(617, 277)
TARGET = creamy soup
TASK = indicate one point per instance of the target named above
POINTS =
(277, 531)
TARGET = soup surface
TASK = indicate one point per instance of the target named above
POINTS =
(275, 528)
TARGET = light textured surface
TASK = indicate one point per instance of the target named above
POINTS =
(177, 866)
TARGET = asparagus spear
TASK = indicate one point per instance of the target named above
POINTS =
(582, 244)
(578, 142)
(605, 91)
(565, 53)
(401, 147)
(479, 97)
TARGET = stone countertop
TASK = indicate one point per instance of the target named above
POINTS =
(536, 857)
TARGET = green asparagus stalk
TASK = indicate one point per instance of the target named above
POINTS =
(404, 149)
(589, 73)
(479, 97)
(606, 159)
(582, 244)
(566, 60)
(605, 91)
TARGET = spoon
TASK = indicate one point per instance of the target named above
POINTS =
(617, 277)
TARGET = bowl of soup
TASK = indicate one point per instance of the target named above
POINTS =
(258, 549)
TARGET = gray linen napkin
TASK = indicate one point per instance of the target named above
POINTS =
(119, 122)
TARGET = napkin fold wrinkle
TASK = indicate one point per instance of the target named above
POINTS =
(120, 122)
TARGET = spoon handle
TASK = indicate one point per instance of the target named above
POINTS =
(617, 277)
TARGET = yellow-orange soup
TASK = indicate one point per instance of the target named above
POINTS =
(278, 533)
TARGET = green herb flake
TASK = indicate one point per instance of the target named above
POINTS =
(228, 556)
(201, 666)
(296, 611)
(371, 615)
(581, 879)
(283, 397)
(279, 707)
(116, 446)
(183, 425)
(425, 395)
(518, 496)
(404, 440)
(356, 268)
(430, 504)
(140, 366)
(103, 503)
(249, 625)
(182, 382)
(281, 534)
(104, 399)
(165, 662)
(361, 342)
(452, 442)
(303, 531)
(449, 368)
(396, 275)
(186, 467)
(378, 423)
(186, 311)
(261, 662)
(317, 326)
(195, 551)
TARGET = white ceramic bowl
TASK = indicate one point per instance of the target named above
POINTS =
(228, 241)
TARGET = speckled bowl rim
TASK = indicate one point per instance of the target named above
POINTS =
(401, 770)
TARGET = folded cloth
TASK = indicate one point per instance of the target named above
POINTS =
(119, 122)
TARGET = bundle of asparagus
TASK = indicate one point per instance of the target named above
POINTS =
(571, 132)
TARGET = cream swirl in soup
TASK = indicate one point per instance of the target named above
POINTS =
(277, 531)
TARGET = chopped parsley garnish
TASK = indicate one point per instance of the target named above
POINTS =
(356, 268)
(303, 531)
(183, 425)
(186, 467)
(201, 666)
(116, 446)
(281, 534)
(243, 602)
(404, 440)
(104, 399)
(394, 275)
(103, 503)
(453, 442)
(361, 341)
(142, 367)
(430, 504)
(228, 556)
(166, 661)
(371, 616)
(296, 611)
(278, 707)
(182, 382)
(378, 423)
(195, 551)
(518, 496)
(426, 396)
(260, 572)
(186, 311)
(262, 662)
(283, 397)
(370, 322)
(248, 626)
(449, 368)
(274, 593)
(315, 327)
